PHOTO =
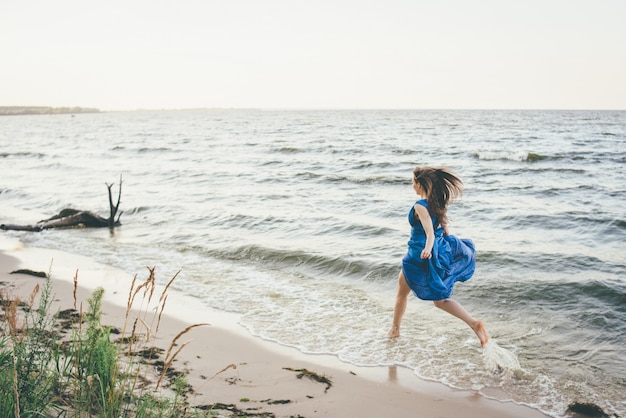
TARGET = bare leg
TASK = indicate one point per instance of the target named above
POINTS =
(455, 308)
(400, 306)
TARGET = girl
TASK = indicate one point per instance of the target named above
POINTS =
(435, 260)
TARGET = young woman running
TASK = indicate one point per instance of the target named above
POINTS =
(435, 260)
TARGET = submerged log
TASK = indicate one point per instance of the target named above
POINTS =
(67, 218)
(74, 218)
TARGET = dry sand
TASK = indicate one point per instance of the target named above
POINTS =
(255, 378)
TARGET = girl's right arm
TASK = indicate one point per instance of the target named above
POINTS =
(424, 217)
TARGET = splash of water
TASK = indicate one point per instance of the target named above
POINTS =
(498, 359)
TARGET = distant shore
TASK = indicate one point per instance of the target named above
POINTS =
(44, 110)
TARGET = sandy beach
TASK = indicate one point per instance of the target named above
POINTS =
(226, 365)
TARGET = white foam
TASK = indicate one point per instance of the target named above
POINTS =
(498, 359)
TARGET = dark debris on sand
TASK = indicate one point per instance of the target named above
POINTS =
(312, 375)
(588, 410)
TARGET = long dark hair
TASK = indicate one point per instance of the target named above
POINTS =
(441, 186)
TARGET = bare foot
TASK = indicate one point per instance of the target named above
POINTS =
(481, 333)
(394, 332)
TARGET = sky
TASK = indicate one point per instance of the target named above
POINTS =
(322, 54)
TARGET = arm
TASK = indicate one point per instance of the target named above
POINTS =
(445, 229)
(424, 217)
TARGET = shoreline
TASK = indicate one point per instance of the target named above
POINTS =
(224, 363)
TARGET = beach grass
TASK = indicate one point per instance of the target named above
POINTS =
(68, 364)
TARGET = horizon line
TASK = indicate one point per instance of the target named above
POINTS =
(248, 108)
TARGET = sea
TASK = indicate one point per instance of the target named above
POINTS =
(296, 221)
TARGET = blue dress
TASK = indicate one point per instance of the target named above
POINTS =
(453, 260)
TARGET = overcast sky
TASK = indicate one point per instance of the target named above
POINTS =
(444, 54)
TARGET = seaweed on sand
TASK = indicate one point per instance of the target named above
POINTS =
(313, 376)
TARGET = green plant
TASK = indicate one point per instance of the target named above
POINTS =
(44, 372)
(7, 400)
(29, 341)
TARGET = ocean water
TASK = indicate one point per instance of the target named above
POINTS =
(296, 220)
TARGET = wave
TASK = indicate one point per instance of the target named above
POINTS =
(618, 223)
(22, 154)
(596, 303)
(288, 150)
(338, 178)
(306, 263)
(139, 209)
(521, 156)
(539, 263)
(610, 292)
(368, 180)
(531, 157)
(373, 165)
(599, 223)
(500, 264)
(155, 149)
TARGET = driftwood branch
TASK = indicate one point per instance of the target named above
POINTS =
(74, 218)
(113, 209)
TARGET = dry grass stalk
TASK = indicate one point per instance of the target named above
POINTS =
(161, 299)
(131, 339)
(163, 294)
(137, 289)
(168, 360)
(152, 284)
(146, 327)
(10, 307)
(168, 363)
(148, 286)
(180, 334)
(10, 315)
(230, 366)
(129, 302)
(75, 287)
(161, 313)
(31, 297)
